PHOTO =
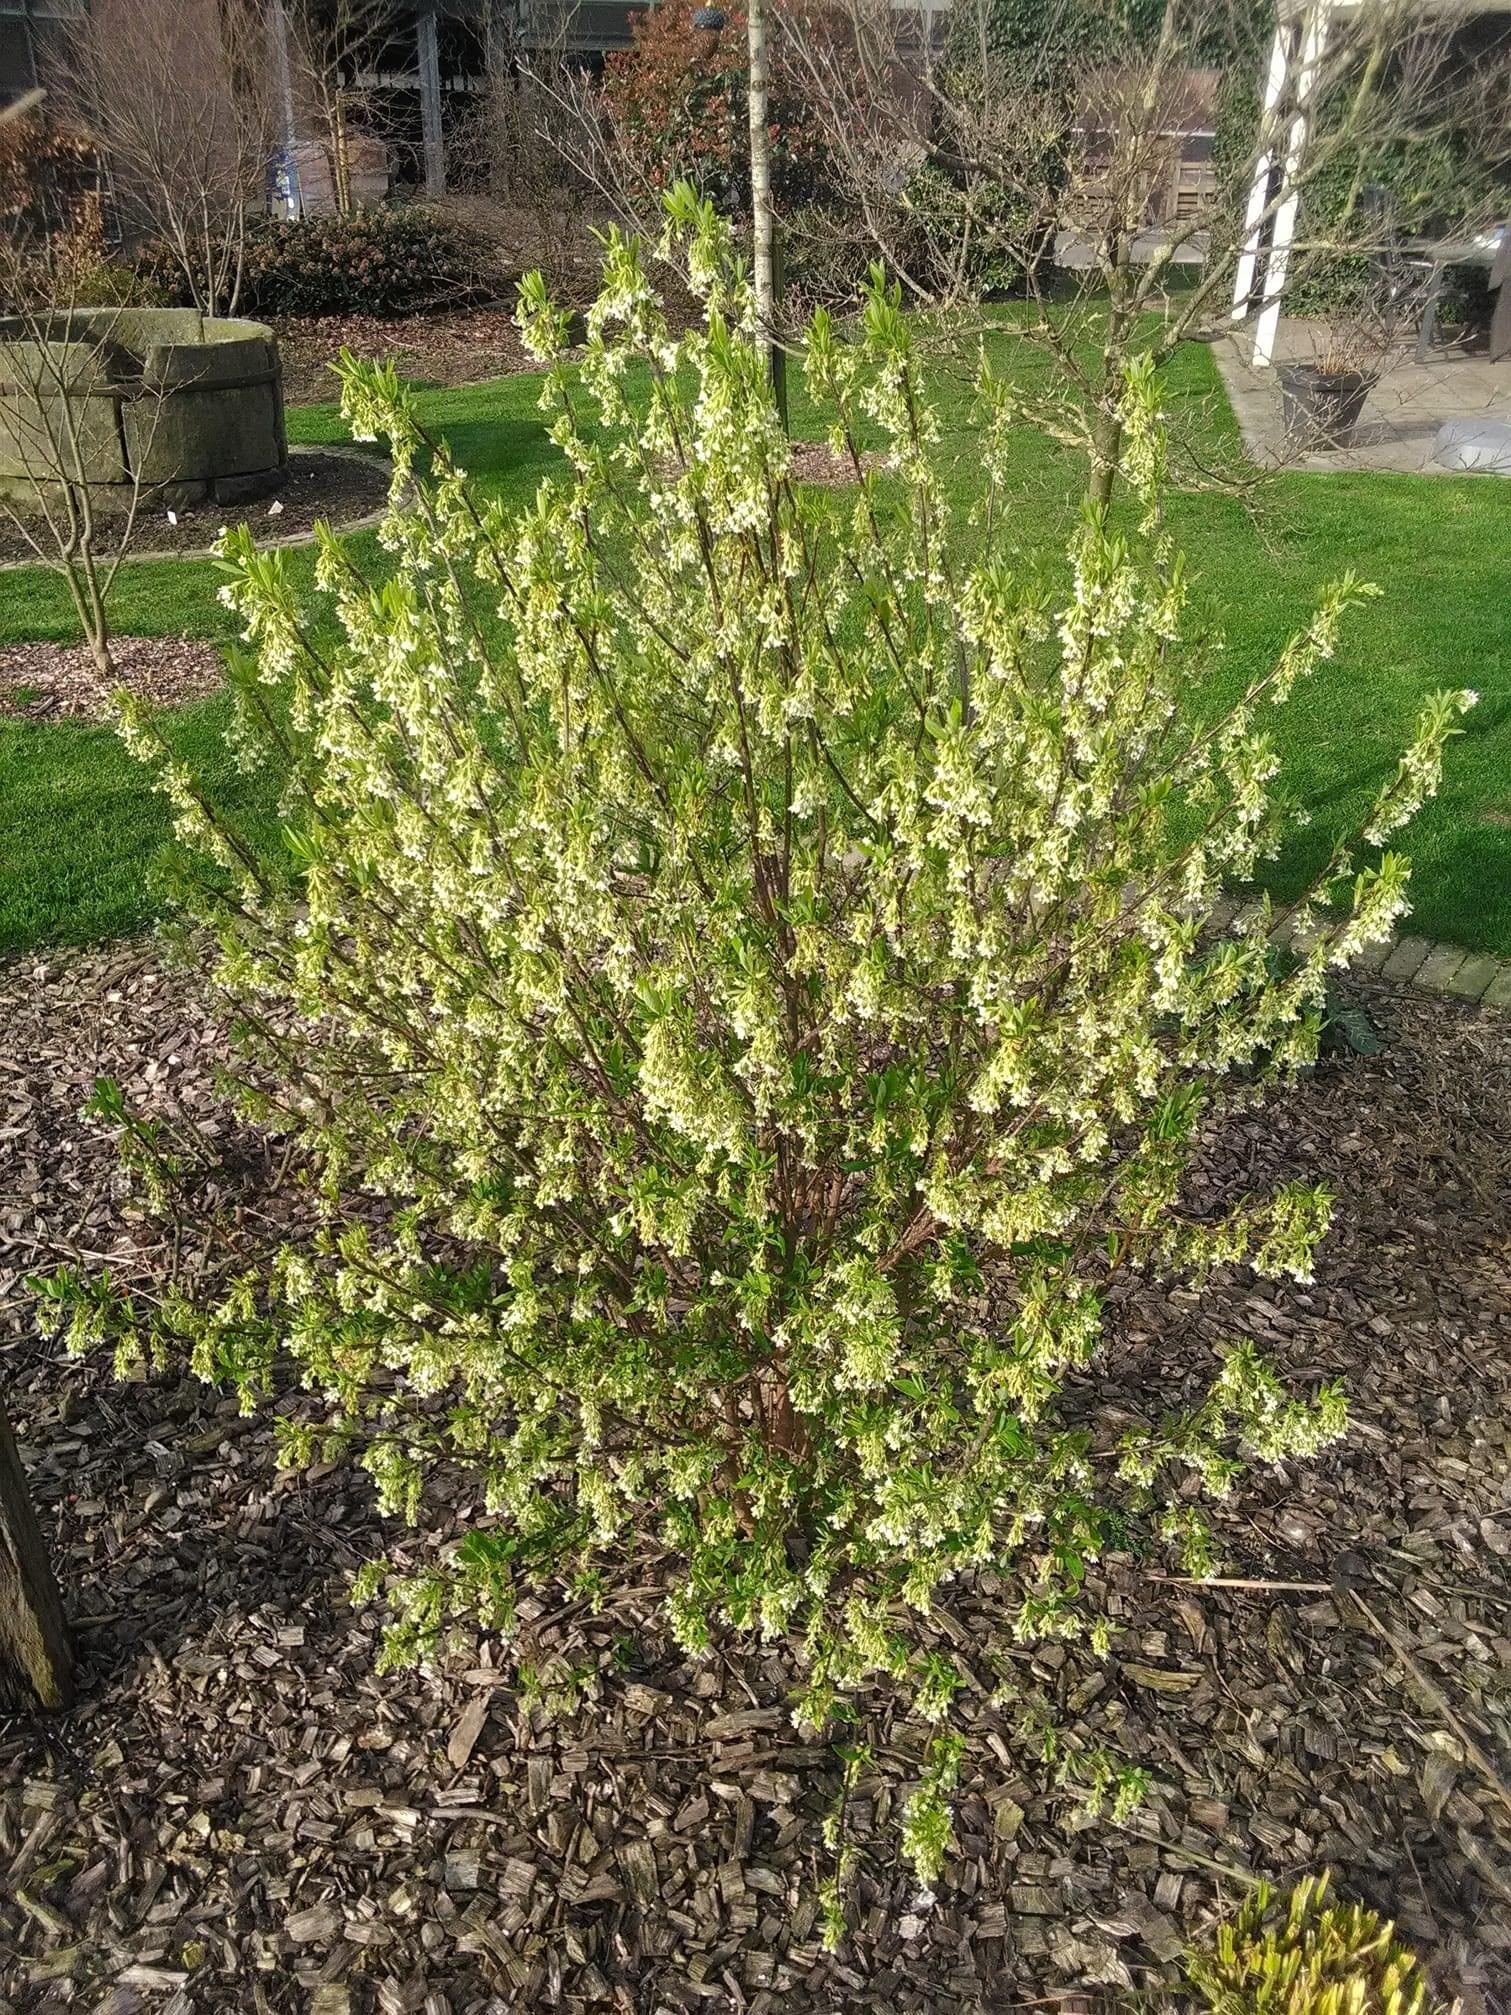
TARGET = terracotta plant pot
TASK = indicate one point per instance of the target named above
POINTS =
(1321, 408)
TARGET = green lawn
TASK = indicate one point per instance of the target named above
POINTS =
(79, 828)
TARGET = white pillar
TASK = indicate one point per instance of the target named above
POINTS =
(1259, 188)
(430, 102)
(1314, 37)
(278, 28)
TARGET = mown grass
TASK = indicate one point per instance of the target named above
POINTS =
(80, 827)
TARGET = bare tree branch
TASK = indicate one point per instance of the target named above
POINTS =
(177, 95)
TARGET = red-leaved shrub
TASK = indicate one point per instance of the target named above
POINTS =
(677, 99)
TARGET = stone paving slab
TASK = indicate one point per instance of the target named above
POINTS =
(1475, 976)
(1438, 969)
(1448, 969)
(1441, 968)
(1406, 958)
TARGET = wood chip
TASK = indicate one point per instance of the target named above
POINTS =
(464, 1736)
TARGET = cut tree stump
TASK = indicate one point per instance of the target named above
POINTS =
(36, 1668)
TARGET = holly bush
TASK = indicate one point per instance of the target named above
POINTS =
(677, 102)
(981, 237)
(737, 977)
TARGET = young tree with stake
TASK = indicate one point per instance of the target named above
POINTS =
(72, 492)
(762, 210)
(1050, 123)
(36, 1666)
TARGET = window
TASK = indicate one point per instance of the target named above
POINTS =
(29, 31)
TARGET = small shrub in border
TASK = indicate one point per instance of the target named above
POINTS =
(980, 238)
(397, 259)
(88, 274)
(736, 973)
(1309, 1956)
(49, 180)
(392, 260)
(677, 101)
(825, 254)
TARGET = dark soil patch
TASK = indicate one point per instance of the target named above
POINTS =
(461, 348)
(239, 1813)
(45, 682)
(343, 488)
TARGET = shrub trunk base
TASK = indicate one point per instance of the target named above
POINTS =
(36, 1669)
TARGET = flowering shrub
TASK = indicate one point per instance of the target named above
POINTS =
(393, 260)
(677, 100)
(739, 980)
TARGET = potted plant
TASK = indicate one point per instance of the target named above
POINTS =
(1322, 398)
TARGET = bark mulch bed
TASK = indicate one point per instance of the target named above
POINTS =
(48, 682)
(812, 462)
(240, 1815)
(816, 462)
(461, 348)
(343, 488)
(465, 346)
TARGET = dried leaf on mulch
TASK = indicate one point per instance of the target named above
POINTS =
(44, 682)
(241, 1815)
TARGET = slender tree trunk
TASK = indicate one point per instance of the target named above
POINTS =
(36, 1669)
(763, 217)
(428, 52)
(288, 129)
(343, 176)
(1106, 446)
(1107, 431)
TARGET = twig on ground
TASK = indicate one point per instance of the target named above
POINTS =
(1244, 1875)
(1248, 1582)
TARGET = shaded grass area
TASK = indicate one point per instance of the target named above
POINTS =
(79, 826)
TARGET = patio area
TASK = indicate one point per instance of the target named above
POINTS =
(1401, 416)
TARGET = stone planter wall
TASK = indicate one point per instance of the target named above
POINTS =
(187, 406)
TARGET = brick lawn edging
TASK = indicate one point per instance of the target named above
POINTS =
(1440, 968)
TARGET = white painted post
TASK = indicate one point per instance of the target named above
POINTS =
(430, 101)
(1268, 326)
(1259, 188)
(278, 28)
